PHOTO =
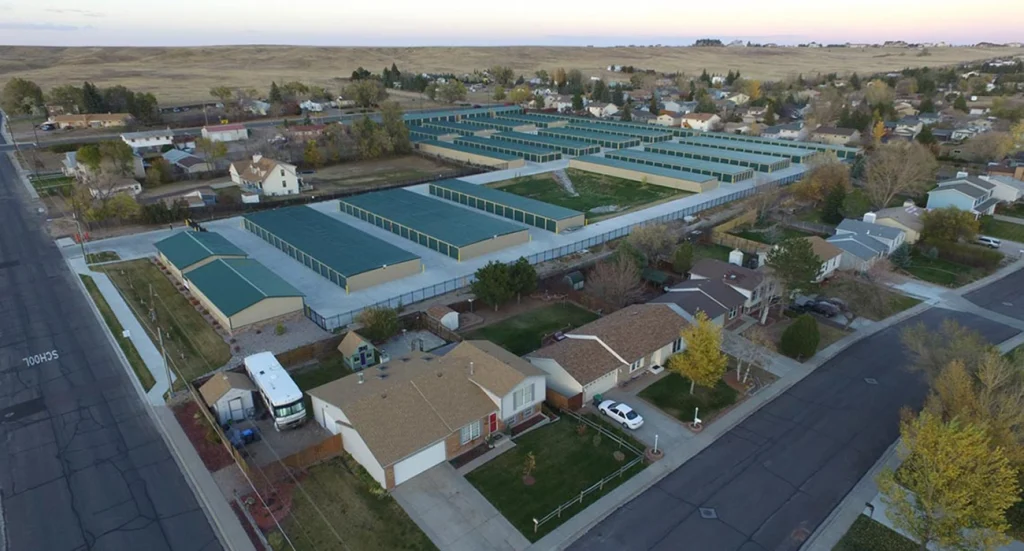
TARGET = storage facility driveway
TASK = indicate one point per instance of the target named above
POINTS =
(773, 478)
(454, 515)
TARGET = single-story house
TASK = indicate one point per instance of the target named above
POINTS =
(788, 131)
(700, 121)
(188, 250)
(829, 254)
(230, 394)
(834, 135)
(92, 120)
(226, 132)
(602, 110)
(906, 218)
(305, 132)
(719, 302)
(149, 139)
(969, 193)
(420, 409)
(123, 186)
(593, 358)
(187, 163)
(864, 242)
(445, 316)
(241, 293)
(359, 353)
(757, 289)
(266, 176)
(669, 118)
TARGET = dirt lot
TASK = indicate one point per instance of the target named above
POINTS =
(202, 436)
(371, 173)
(179, 75)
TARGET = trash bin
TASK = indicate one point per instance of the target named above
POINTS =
(597, 399)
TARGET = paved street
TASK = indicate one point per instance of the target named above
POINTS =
(1004, 296)
(82, 465)
(772, 479)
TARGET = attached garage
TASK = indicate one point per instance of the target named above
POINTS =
(600, 386)
(419, 462)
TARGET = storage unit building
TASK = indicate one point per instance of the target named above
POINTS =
(188, 250)
(514, 207)
(422, 133)
(646, 135)
(760, 163)
(241, 293)
(530, 118)
(460, 128)
(346, 256)
(457, 114)
(566, 147)
(725, 173)
(473, 155)
(531, 153)
(450, 230)
(499, 124)
(796, 155)
(602, 139)
(841, 151)
(677, 179)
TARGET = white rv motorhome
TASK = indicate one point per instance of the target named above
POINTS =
(279, 392)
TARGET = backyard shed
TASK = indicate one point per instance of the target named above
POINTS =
(230, 395)
(445, 315)
(240, 292)
(574, 280)
(359, 353)
(188, 250)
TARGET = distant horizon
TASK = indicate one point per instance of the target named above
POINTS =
(690, 44)
(463, 23)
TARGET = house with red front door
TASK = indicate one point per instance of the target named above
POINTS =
(401, 418)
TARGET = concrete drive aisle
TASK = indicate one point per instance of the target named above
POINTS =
(774, 477)
(454, 515)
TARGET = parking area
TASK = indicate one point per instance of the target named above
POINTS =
(274, 446)
(454, 515)
(656, 423)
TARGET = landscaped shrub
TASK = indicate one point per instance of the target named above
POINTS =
(280, 329)
(800, 340)
(968, 255)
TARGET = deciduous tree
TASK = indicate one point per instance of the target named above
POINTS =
(366, 92)
(878, 92)
(519, 94)
(311, 156)
(989, 146)
(223, 93)
(451, 91)
(827, 173)
(20, 96)
(522, 277)
(493, 284)
(393, 121)
(795, 264)
(379, 323)
(159, 172)
(898, 168)
(653, 240)
(499, 93)
(68, 96)
(948, 225)
(953, 488)
(702, 362)
(616, 281)
(503, 75)
(930, 351)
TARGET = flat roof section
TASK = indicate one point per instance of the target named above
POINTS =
(648, 133)
(741, 158)
(667, 172)
(331, 242)
(439, 219)
(451, 114)
(451, 127)
(602, 138)
(722, 171)
(841, 151)
(507, 199)
(465, 148)
(525, 148)
(430, 130)
(527, 118)
(491, 122)
(569, 147)
(797, 155)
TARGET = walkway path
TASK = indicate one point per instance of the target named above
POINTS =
(1010, 219)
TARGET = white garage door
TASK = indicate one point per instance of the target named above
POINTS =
(412, 466)
(603, 384)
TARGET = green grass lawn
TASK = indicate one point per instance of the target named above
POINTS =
(1015, 210)
(1002, 229)
(672, 395)
(325, 370)
(870, 535)
(710, 250)
(867, 300)
(566, 464)
(193, 347)
(595, 190)
(102, 256)
(940, 272)
(340, 490)
(521, 334)
(130, 352)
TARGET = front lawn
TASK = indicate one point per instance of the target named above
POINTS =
(827, 333)
(1016, 210)
(567, 463)
(940, 272)
(193, 347)
(522, 334)
(339, 490)
(672, 395)
(867, 300)
(130, 352)
(1002, 229)
(870, 535)
(102, 256)
(770, 235)
(595, 190)
(711, 250)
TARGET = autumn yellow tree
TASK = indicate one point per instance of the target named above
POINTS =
(1017, 133)
(519, 94)
(702, 362)
(954, 486)
(877, 132)
(753, 89)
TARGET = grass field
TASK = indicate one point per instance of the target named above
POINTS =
(595, 190)
(178, 75)
(672, 395)
(521, 334)
(710, 250)
(340, 490)
(870, 535)
(101, 256)
(370, 173)
(193, 347)
(869, 301)
(130, 352)
(940, 272)
(1002, 229)
(566, 463)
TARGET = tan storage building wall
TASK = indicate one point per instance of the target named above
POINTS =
(637, 176)
(266, 310)
(383, 275)
(494, 244)
(466, 157)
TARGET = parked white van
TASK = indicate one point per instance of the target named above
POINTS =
(990, 242)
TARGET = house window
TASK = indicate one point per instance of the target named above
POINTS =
(469, 432)
(732, 313)
(522, 397)
(677, 345)
(636, 365)
(282, 172)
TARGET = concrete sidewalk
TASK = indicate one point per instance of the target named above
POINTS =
(227, 526)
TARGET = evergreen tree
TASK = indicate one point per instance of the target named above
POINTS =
(92, 100)
(275, 94)
(800, 340)
(395, 73)
(960, 104)
(855, 81)
(627, 113)
(654, 107)
(577, 102)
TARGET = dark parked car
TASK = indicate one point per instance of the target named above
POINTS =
(826, 309)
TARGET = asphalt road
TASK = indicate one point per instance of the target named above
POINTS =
(1004, 296)
(775, 477)
(82, 465)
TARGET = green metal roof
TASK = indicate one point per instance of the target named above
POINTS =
(186, 248)
(547, 140)
(332, 242)
(715, 152)
(512, 146)
(761, 148)
(637, 167)
(525, 204)
(595, 134)
(434, 217)
(682, 162)
(619, 130)
(234, 284)
(470, 149)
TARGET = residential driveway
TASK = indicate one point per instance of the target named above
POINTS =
(669, 431)
(454, 515)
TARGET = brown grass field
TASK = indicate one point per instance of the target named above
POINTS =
(179, 75)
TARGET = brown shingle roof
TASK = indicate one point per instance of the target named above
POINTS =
(731, 274)
(633, 333)
(217, 386)
(825, 250)
(423, 399)
(351, 343)
(257, 170)
(438, 311)
(699, 116)
(494, 368)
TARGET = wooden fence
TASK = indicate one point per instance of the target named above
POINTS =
(309, 352)
(748, 217)
(215, 425)
(286, 467)
(720, 234)
(560, 401)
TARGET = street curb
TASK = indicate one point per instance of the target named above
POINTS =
(204, 501)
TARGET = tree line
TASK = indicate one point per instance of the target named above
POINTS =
(20, 96)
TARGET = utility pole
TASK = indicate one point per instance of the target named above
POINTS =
(163, 353)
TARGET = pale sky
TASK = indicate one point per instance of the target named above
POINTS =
(466, 22)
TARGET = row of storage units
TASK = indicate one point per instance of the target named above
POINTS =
(794, 154)
(531, 153)
(602, 139)
(567, 147)
(841, 151)
(536, 120)
(725, 173)
(655, 175)
(470, 154)
(459, 128)
(760, 163)
(646, 135)
(531, 212)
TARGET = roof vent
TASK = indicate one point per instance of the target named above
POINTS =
(470, 368)
(360, 377)
(440, 374)
(382, 367)
(382, 376)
